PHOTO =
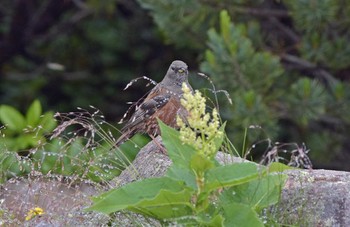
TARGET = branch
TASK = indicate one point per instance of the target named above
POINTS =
(302, 64)
(289, 32)
(262, 12)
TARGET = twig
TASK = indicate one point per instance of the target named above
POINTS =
(306, 65)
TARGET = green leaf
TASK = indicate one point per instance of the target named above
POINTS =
(205, 219)
(230, 175)
(258, 194)
(166, 204)
(200, 163)
(225, 23)
(219, 140)
(138, 193)
(33, 113)
(182, 174)
(12, 118)
(210, 57)
(47, 122)
(24, 141)
(278, 167)
(218, 220)
(49, 161)
(181, 154)
(241, 215)
(9, 162)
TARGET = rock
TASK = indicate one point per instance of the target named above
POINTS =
(315, 198)
(151, 161)
(61, 201)
(309, 197)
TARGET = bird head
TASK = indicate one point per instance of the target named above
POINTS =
(176, 74)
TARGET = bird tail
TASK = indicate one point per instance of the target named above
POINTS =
(124, 137)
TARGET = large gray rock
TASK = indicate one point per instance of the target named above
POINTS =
(315, 198)
(62, 200)
(309, 198)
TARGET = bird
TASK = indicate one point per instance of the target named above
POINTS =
(162, 102)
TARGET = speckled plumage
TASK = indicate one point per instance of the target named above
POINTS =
(163, 102)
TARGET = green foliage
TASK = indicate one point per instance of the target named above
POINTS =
(77, 157)
(262, 92)
(197, 190)
(193, 24)
(23, 132)
(19, 134)
(310, 97)
(256, 50)
(24, 146)
(251, 74)
(325, 31)
(244, 57)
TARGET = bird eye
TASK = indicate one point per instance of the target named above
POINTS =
(181, 70)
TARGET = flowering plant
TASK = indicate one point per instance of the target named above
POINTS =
(197, 190)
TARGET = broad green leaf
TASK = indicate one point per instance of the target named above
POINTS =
(240, 215)
(182, 174)
(135, 193)
(258, 194)
(166, 204)
(230, 175)
(205, 219)
(12, 118)
(218, 220)
(178, 152)
(33, 113)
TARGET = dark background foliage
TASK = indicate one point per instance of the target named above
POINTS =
(286, 64)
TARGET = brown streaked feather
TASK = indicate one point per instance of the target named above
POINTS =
(163, 102)
(144, 119)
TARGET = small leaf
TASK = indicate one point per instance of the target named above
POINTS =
(24, 141)
(49, 161)
(210, 58)
(219, 140)
(200, 163)
(225, 23)
(47, 122)
(12, 118)
(33, 113)
(9, 163)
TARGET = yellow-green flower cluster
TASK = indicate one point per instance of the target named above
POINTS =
(200, 130)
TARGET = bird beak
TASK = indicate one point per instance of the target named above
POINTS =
(182, 70)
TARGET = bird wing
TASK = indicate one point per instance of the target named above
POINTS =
(151, 104)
